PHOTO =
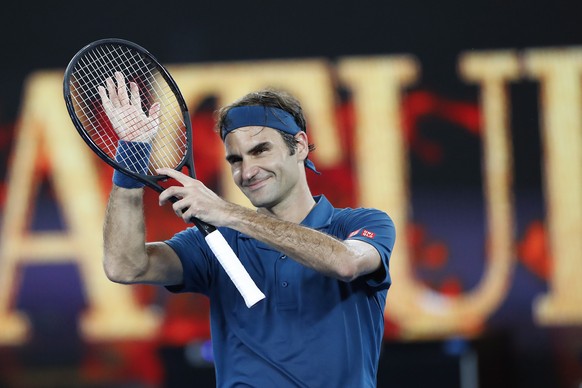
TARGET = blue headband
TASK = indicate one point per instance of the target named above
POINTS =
(262, 116)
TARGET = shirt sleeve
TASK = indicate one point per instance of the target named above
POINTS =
(377, 229)
(197, 261)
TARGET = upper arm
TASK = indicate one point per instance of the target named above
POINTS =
(164, 266)
(371, 235)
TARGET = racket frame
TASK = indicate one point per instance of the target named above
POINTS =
(149, 180)
(224, 253)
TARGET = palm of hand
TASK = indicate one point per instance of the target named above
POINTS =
(132, 124)
(125, 112)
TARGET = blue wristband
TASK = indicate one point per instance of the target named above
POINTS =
(134, 156)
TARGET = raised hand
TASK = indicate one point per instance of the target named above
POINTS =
(193, 199)
(125, 112)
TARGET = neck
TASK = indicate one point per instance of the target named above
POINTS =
(294, 208)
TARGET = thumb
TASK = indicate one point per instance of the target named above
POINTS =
(154, 112)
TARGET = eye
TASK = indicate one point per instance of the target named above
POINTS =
(232, 160)
(259, 149)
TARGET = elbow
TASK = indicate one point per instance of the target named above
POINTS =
(347, 272)
(113, 274)
(118, 273)
(352, 267)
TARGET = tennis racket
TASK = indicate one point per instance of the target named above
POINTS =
(166, 130)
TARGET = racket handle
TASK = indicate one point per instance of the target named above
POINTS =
(204, 227)
(234, 268)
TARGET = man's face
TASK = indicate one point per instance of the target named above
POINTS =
(262, 166)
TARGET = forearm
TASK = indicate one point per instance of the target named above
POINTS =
(312, 248)
(124, 235)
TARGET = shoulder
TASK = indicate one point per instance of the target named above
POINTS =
(355, 215)
(351, 222)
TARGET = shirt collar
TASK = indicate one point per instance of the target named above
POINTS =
(320, 216)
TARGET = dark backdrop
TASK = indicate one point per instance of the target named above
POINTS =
(41, 35)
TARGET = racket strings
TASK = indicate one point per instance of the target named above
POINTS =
(168, 145)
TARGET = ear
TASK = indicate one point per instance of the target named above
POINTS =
(302, 145)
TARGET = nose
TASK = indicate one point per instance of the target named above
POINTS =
(249, 169)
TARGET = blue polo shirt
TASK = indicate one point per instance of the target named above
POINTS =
(311, 330)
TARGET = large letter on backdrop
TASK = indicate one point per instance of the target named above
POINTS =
(45, 132)
(492, 71)
(559, 72)
(383, 171)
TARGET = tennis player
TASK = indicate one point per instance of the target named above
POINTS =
(324, 270)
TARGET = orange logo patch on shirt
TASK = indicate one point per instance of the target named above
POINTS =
(368, 234)
(364, 233)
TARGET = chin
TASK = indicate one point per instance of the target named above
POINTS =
(259, 201)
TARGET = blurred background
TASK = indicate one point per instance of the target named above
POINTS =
(462, 120)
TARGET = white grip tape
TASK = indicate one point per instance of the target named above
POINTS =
(234, 268)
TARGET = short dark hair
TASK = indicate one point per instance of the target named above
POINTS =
(273, 98)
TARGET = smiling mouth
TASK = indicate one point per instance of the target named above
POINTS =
(256, 184)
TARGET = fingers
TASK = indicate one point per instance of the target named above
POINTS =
(182, 210)
(112, 91)
(155, 111)
(175, 193)
(118, 94)
(177, 175)
(172, 194)
(105, 101)
(121, 89)
(193, 199)
(166, 196)
(181, 205)
(135, 99)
